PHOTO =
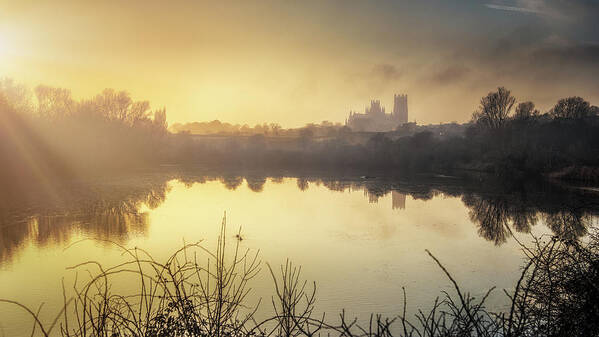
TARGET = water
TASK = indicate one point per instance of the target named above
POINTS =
(360, 238)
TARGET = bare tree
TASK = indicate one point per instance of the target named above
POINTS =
(572, 107)
(54, 102)
(494, 108)
(17, 95)
(138, 112)
(525, 111)
(160, 120)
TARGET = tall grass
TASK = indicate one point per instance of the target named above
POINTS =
(197, 292)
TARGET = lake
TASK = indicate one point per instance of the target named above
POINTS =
(360, 238)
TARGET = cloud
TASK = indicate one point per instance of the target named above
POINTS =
(386, 72)
(513, 9)
(573, 55)
(529, 49)
(450, 74)
(573, 11)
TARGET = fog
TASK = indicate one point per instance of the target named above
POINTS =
(48, 136)
(296, 63)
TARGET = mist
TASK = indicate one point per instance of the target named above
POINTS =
(296, 63)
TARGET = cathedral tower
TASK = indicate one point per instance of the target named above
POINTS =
(400, 108)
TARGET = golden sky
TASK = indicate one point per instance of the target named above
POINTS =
(295, 62)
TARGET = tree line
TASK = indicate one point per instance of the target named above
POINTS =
(562, 142)
(46, 133)
(503, 138)
(216, 127)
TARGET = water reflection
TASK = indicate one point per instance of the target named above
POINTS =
(103, 211)
(112, 211)
(497, 215)
(398, 200)
(496, 209)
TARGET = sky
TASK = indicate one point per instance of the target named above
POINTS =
(296, 62)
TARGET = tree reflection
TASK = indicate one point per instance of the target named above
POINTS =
(496, 208)
(523, 219)
(302, 183)
(105, 212)
(112, 211)
(492, 218)
(256, 184)
(232, 182)
(568, 224)
(496, 217)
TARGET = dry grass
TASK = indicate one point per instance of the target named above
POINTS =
(556, 295)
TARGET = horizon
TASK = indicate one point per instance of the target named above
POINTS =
(30, 93)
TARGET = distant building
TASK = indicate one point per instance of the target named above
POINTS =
(375, 119)
(440, 131)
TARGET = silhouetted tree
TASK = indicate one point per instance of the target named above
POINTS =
(494, 108)
(160, 120)
(572, 107)
(526, 111)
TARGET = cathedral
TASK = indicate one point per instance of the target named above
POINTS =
(374, 118)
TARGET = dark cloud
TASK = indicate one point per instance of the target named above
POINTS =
(529, 50)
(386, 72)
(570, 61)
(574, 9)
(450, 75)
(542, 50)
(572, 56)
(576, 13)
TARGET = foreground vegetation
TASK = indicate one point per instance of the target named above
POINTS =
(556, 295)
